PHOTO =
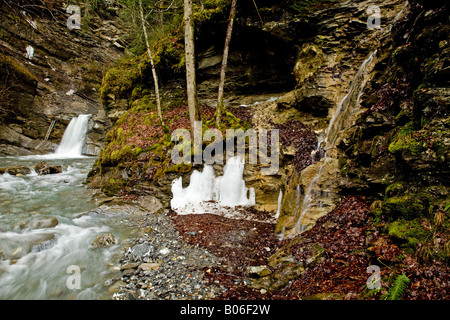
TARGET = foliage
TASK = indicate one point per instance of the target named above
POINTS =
(304, 7)
(166, 41)
(398, 289)
(209, 9)
(140, 145)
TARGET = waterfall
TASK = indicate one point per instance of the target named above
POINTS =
(280, 198)
(207, 192)
(73, 139)
(342, 119)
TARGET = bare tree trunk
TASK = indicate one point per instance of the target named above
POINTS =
(226, 49)
(191, 83)
(161, 16)
(155, 77)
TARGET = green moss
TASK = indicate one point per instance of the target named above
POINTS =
(126, 78)
(113, 186)
(408, 206)
(395, 189)
(342, 165)
(125, 153)
(17, 68)
(409, 232)
(228, 121)
(209, 9)
(405, 143)
(180, 168)
(119, 79)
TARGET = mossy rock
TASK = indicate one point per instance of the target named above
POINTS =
(120, 79)
(405, 143)
(311, 58)
(408, 206)
(180, 168)
(395, 189)
(22, 72)
(410, 233)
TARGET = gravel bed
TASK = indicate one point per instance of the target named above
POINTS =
(159, 265)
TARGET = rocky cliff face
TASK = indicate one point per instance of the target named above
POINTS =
(395, 159)
(52, 73)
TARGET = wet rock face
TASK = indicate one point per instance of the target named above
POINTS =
(325, 69)
(58, 81)
(402, 135)
(261, 58)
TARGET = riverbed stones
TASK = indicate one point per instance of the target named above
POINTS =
(104, 240)
(159, 265)
(16, 170)
(129, 265)
(149, 266)
(140, 251)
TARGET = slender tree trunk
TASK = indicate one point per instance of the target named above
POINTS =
(191, 83)
(155, 77)
(161, 16)
(226, 49)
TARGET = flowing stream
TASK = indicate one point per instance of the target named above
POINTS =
(47, 226)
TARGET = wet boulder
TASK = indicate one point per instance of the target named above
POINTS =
(104, 240)
(16, 170)
(43, 168)
(40, 223)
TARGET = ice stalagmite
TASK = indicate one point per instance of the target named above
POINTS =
(207, 192)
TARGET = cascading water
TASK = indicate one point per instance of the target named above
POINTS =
(280, 198)
(342, 119)
(206, 192)
(71, 145)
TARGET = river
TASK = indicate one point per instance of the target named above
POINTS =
(42, 262)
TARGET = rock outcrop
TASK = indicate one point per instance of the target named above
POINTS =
(50, 73)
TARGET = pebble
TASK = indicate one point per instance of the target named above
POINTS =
(158, 265)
